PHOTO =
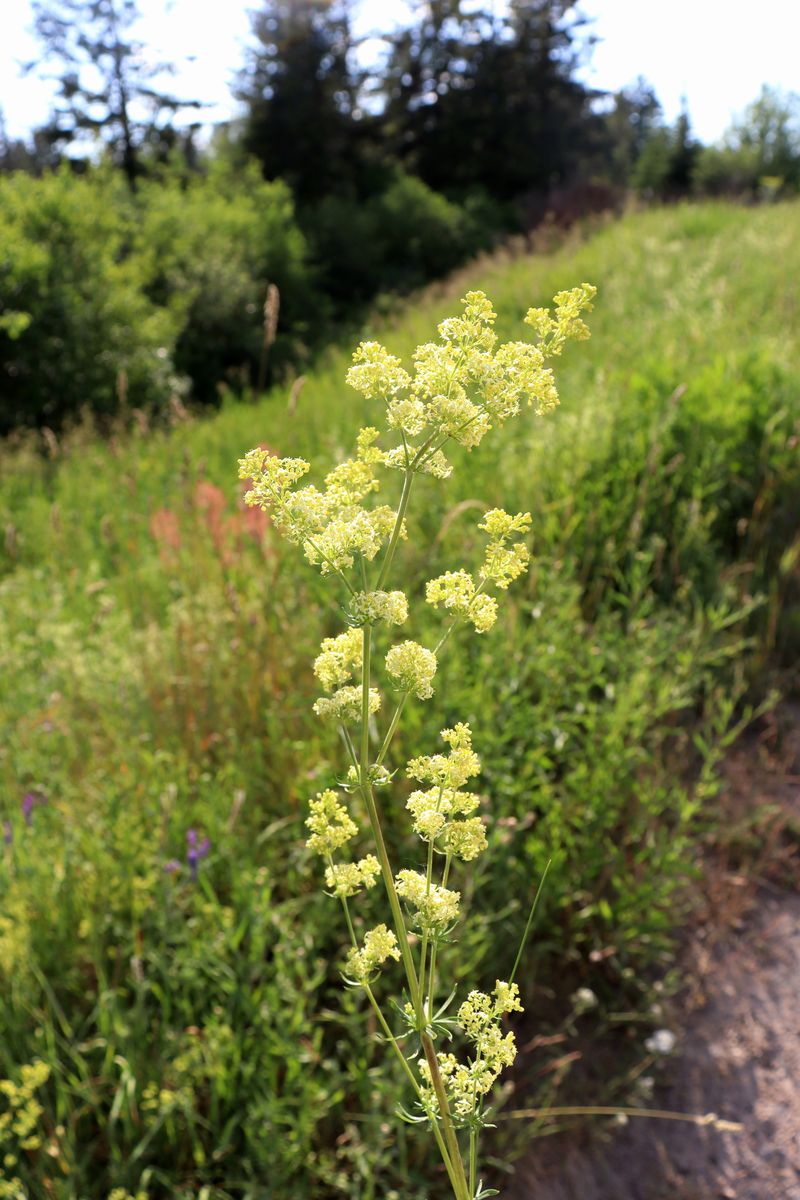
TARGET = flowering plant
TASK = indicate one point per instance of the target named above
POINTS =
(460, 388)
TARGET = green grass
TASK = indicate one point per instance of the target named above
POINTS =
(155, 648)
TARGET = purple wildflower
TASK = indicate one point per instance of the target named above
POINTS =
(8, 833)
(172, 867)
(28, 802)
(195, 850)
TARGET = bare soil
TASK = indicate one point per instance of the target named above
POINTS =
(738, 1019)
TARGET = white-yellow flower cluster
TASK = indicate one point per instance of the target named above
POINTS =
(457, 592)
(340, 659)
(450, 770)
(357, 531)
(379, 945)
(464, 839)
(412, 668)
(376, 373)
(330, 824)
(502, 563)
(435, 907)
(567, 323)
(468, 1083)
(434, 812)
(345, 879)
(367, 608)
(465, 383)
(345, 704)
(332, 525)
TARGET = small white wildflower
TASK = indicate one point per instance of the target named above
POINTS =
(661, 1042)
(584, 999)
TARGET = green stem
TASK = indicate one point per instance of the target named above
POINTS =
(437, 1133)
(435, 946)
(460, 1187)
(390, 732)
(392, 1040)
(377, 832)
(348, 741)
(458, 1177)
(408, 479)
(473, 1159)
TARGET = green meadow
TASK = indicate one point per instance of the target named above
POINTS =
(156, 640)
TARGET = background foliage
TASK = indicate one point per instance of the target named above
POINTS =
(155, 651)
(359, 167)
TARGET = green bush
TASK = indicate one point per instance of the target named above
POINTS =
(109, 299)
(211, 244)
(77, 329)
(400, 238)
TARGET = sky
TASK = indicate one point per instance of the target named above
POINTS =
(715, 53)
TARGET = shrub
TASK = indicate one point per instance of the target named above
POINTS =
(211, 244)
(403, 236)
(78, 329)
(111, 299)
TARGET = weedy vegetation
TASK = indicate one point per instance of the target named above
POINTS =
(173, 1021)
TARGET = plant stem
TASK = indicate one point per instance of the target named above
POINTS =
(434, 947)
(390, 732)
(377, 832)
(461, 1187)
(458, 1177)
(408, 479)
(376, 1008)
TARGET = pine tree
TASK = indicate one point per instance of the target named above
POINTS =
(106, 87)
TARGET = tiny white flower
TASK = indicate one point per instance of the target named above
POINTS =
(661, 1042)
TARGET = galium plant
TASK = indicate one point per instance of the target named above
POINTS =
(460, 387)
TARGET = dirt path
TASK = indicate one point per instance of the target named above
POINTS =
(739, 1053)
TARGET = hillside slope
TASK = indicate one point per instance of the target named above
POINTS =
(155, 650)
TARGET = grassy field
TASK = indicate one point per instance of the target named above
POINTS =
(155, 648)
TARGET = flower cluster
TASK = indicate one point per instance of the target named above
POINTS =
(340, 659)
(503, 564)
(450, 770)
(567, 323)
(331, 525)
(467, 1084)
(330, 824)
(435, 809)
(464, 383)
(367, 608)
(412, 667)
(457, 592)
(434, 907)
(345, 704)
(379, 945)
(345, 879)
